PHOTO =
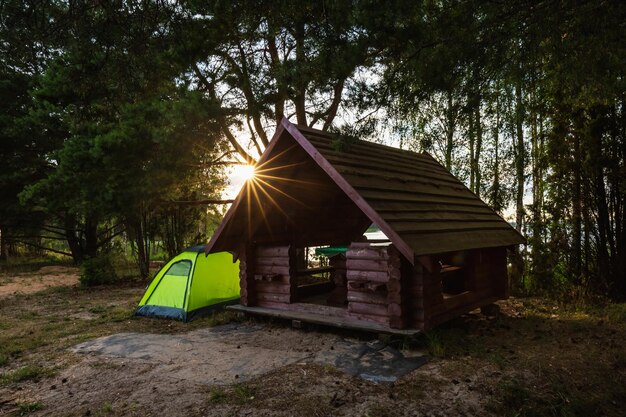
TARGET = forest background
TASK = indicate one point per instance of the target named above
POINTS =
(120, 120)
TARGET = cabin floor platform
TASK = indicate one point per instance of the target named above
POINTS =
(332, 321)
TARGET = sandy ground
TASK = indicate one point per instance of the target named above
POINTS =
(129, 371)
(88, 357)
(238, 352)
(46, 277)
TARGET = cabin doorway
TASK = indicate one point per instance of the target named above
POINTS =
(321, 276)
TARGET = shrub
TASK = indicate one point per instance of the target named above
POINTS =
(97, 271)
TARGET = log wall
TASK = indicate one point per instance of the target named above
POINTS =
(373, 283)
(380, 285)
(486, 281)
(271, 276)
(246, 280)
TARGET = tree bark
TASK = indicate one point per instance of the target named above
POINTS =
(477, 150)
(300, 95)
(520, 163)
(73, 240)
(4, 247)
(575, 262)
(137, 229)
(472, 140)
(91, 237)
(450, 125)
(520, 160)
(495, 188)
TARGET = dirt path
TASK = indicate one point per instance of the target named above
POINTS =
(32, 282)
(198, 372)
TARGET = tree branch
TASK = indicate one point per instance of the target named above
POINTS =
(104, 232)
(231, 138)
(109, 238)
(195, 202)
(275, 63)
(332, 110)
(252, 102)
(256, 143)
(44, 248)
(233, 141)
(36, 237)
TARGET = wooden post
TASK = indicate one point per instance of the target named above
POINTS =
(246, 277)
(339, 296)
(394, 289)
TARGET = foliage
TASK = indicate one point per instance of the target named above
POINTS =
(113, 113)
(132, 135)
(273, 60)
(97, 271)
(497, 92)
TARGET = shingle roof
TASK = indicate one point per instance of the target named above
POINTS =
(415, 201)
(427, 206)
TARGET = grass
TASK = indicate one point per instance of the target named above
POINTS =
(44, 324)
(25, 373)
(107, 408)
(542, 358)
(22, 265)
(240, 393)
(26, 408)
(518, 398)
(616, 313)
(243, 392)
(217, 395)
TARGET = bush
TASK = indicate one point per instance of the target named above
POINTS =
(97, 271)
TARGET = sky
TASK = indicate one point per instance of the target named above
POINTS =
(237, 176)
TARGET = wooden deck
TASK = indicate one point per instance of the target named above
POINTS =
(340, 322)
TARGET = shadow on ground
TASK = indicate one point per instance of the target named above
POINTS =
(222, 354)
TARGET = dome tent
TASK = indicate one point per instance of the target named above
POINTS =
(190, 285)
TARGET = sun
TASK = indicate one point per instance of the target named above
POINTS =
(244, 172)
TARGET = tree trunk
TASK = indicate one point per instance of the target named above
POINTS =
(520, 160)
(472, 141)
(575, 262)
(495, 188)
(620, 212)
(73, 241)
(605, 233)
(477, 149)
(450, 124)
(91, 237)
(138, 228)
(520, 163)
(300, 95)
(4, 247)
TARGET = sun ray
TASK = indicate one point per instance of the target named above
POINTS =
(261, 206)
(275, 204)
(262, 164)
(278, 190)
(283, 179)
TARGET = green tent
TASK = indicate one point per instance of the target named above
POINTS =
(191, 284)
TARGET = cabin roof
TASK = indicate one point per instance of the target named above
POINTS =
(415, 201)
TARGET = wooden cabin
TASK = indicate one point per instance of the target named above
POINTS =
(443, 251)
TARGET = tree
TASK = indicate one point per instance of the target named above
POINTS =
(23, 152)
(547, 79)
(133, 132)
(264, 60)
